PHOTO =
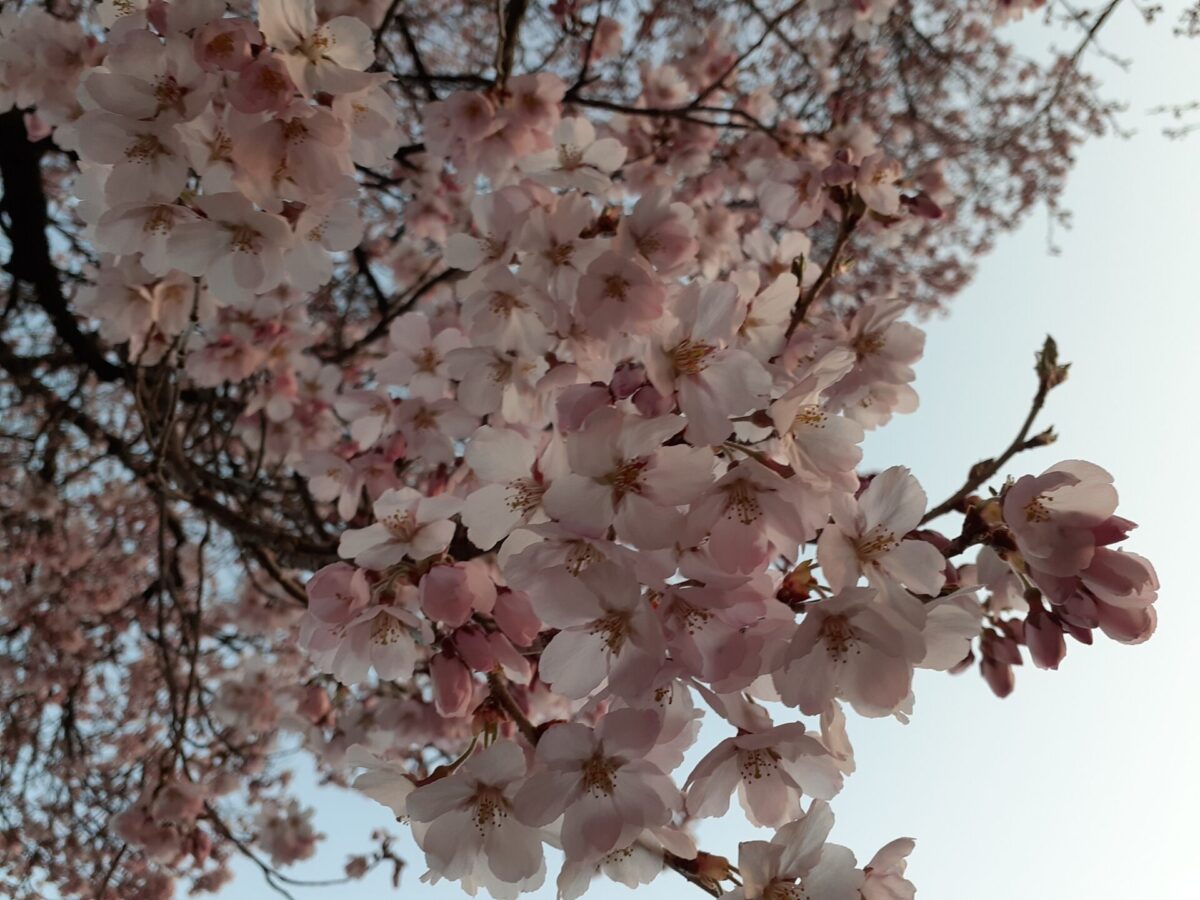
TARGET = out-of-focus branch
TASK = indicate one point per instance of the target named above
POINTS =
(24, 204)
(406, 302)
(510, 15)
(774, 23)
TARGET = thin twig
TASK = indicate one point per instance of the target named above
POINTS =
(1050, 375)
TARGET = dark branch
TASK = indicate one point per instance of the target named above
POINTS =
(25, 206)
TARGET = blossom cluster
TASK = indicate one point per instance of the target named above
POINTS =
(592, 476)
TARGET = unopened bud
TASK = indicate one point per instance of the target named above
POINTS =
(1049, 371)
(798, 585)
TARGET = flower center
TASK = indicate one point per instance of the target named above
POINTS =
(877, 541)
(689, 357)
(145, 149)
(402, 526)
(839, 635)
(491, 809)
(524, 494)
(159, 221)
(742, 503)
(648, 245)
(314, 48)
(580, 555)
(221, 45)
(168, 93)
(560, 254)
(614, 628)
(271, 81)
(493, 249)
(779, 890)
(615, 286)
(243, 239)
(1036, 510)
(757, 764)
(503, 303)
(424, 419)
(600, 775)
(387, 630)
(295, 131)
(569, 157)
(427, 360)
(691, 618)
(868, 343)
(627, 478)
(810, 416)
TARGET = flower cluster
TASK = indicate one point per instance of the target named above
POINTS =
(532, 423)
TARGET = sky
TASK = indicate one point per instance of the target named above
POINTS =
(1086, 781)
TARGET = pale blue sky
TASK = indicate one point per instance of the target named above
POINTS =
(1083, 783)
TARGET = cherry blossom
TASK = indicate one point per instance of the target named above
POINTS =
(472, 405)
(714, 382)
(771, 769)
(885, 873)
(599, 783)
(608, 633)
(869, 537)
(578, 159)
(407, 524)
(798, 863)
(621, 475)
(473, 834)
(237, 248)
(854, 647)
(326, 57)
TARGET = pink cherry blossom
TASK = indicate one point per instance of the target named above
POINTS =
(885, 873)
(556, 255)
(347, 632)
(868, 537)
(325, 57)
(792, 194)
(798, 863)
(147, 80)
(407, 525)
(876, 184)
(1054, 516)
(238, 249)
(473, 834)
(608, 633)
(515, 482)
(771, 770)
(621, 475)
(578, 159)
(147, 158)
(225, 45)
(418, 357)
(854, 647)
(618, 294)
(599, 783)
(662, 231)
(753, 512)
(263, 86)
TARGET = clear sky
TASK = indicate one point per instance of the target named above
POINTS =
(1083, 783)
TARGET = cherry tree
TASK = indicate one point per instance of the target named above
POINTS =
(471, 395)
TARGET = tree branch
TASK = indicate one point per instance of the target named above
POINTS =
(1050, 375)
(25, 204)
(511, 14)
